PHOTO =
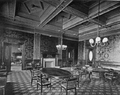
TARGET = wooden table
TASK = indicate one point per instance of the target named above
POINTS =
(56, 72)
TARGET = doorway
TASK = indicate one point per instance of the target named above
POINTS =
(16, 57)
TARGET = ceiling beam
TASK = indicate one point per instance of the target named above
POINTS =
(75, 12)
(57, 10)
(111, 29)
(87, 28)
(28, 16)
(16, 25)
(26, 21)
(11, 8)
(48, 27)
(82, 15)
(54, 3)
(92, 15)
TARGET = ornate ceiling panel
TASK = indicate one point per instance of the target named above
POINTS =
(73, 18)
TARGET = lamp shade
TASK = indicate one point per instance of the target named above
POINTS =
(98, 39)
(63, 47)
(105, 40)
(91, 41)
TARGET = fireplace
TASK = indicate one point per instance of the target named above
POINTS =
(49, 59)
(49, 62)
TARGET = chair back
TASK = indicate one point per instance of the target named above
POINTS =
(110, 74)
(71, 83)
(35, 73)
(36, 63)
(28, 63)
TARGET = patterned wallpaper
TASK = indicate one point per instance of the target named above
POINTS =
(111, 51)
(48, 44)
(29, 46)
(20, 37)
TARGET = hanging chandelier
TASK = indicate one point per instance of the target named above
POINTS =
(98, 40)
(61, 46)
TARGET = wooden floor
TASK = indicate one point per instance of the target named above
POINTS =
(18, 83)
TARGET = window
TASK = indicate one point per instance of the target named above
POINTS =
(90, 55)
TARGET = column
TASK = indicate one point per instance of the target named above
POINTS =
(60, 41)
(36, 52)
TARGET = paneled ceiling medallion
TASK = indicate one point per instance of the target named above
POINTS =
(34, 6)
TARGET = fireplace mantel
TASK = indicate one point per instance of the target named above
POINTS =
(49, 62)
(49, 59)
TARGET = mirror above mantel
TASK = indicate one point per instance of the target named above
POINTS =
(49, 54)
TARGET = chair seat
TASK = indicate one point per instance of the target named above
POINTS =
(44, 80)
(70, 86)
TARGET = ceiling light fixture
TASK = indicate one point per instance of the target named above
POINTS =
(61, 46)
(98, 40)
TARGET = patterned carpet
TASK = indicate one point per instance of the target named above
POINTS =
(18, 83)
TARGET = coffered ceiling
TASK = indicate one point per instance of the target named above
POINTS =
(76, 19)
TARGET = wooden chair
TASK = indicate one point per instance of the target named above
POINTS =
(43, 80)
(70, 84)
(3, 84)
(33, 66)
(83, 73)
(111, 76)
(28, 64)
(37, 64)
(34, 75)
(77, 74)
(3, 71)
(95, 76)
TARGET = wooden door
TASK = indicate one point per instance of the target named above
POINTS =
(7, 55)
(70, 56)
